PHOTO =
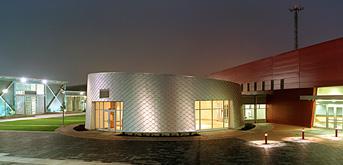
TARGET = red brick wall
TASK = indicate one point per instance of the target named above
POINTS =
(285, 107)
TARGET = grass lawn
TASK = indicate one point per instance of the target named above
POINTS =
(49, 124)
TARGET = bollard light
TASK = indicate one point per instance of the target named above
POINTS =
(265, 138)
(336, 132)
(303, 134)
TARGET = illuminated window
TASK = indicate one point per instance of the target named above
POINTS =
(40, 89)
(212, 114)
(261, 111)
(337, 90)
(108, 115)
(329, 114)
(249, 112)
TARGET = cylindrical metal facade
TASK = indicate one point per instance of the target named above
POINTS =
(160, 103)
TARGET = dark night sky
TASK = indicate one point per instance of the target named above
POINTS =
(67, 39)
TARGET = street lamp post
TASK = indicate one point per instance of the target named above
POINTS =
(63, 117)
(296, 9)
(63, 112)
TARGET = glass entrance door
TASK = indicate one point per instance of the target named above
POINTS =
(339, 117)
(329, 114)
(331, 117)
(212, 114)
(30, 104)
(111, 120)
(108, 116)
(335, 117)
(114, 121)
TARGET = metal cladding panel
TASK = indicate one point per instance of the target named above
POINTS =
(159, 103)
(313, 66)
(284, 107)
(321, 65)
(252, 72)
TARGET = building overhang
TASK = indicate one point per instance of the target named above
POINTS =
(324, 97)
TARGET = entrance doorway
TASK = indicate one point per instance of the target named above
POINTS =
(26, 104)
(254, 114)
(30, 104)
(108, 115)
(329, 114)
(114, 121)
(335, 117)
(212, 114)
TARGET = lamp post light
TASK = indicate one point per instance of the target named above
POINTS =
(303, 134)
(23, 80)
(44, 81)
(63, 117)
(266, 138)
(296, 9)
(63, 109)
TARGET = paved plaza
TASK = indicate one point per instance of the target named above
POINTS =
(320, 147)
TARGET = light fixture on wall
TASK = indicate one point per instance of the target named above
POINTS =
(23, 80)
(44, 81)
(5, 91)
(82, 93)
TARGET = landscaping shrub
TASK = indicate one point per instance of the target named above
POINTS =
(80, 127)
(248, 126)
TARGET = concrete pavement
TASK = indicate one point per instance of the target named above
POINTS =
(219, 148)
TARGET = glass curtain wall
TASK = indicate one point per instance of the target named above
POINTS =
(329, 112)
(5, 110)
(251, 115)
(212, 114)
(108, 115)
(6, 98)
(54, 97)
(249, 112)
(29, 98)
(76, 103)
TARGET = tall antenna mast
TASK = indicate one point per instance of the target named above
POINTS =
(296, 9)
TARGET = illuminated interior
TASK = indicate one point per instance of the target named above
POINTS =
(324, 91)
(108, 115)
(329, 112)
(249, 112)
(76, 103)
(25, 96)
(212, 114)
(30, 98)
